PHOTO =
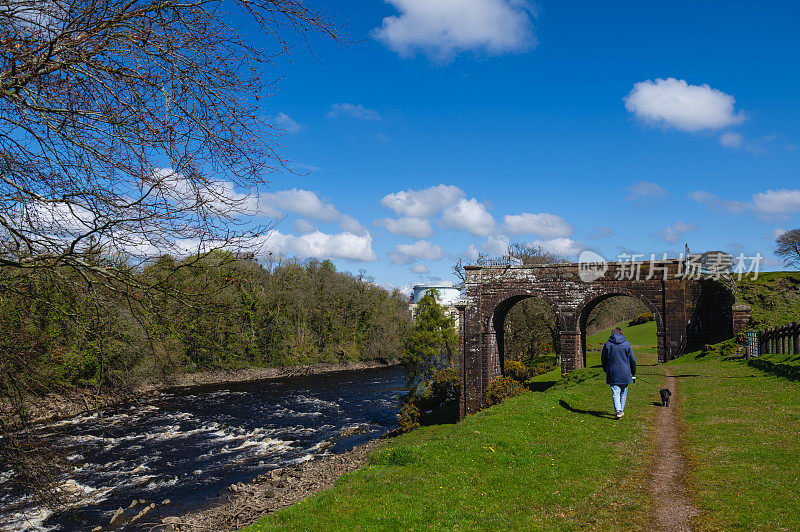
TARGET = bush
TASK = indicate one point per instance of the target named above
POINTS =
(445, 387)
(502, 388)
(408, 419)
(516, 370)
(544, 348)
(641, 318)
(540, 368)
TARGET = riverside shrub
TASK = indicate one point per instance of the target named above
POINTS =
(502, 388)
(641, 318)
(445, 386)
(408, 419)
(516, 370)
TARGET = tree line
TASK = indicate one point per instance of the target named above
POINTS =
(215, 311)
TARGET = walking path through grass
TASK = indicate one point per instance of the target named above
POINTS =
(725, 455)
(673, 505)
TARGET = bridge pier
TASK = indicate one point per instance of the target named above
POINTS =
(687, 312)
(571, 350)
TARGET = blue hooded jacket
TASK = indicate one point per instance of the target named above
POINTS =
(618, 360)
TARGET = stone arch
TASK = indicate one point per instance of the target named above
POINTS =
(500, 305)
(584, 308)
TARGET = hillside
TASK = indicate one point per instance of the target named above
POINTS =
(773, 296)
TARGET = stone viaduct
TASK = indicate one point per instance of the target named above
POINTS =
(688, 311)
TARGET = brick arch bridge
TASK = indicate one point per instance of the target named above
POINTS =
(687, 311)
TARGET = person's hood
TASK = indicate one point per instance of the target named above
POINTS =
(617, 339)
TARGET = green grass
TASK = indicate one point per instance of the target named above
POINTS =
(774, 298)
(553, 459)
(743, 439)
(642, 337)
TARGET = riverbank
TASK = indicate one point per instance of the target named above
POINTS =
(69, 403)
(272, 491)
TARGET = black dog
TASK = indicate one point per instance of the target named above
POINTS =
(665, 393)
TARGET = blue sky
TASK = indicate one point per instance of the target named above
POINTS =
(455, 126)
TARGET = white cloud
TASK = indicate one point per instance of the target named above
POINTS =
(407, 226)
(778, 231)
(731, 140)
(782, 202)
(472, 253)
(645, 189)
(441, 29)
(497, 245)
(420, 269)
(709, 199)
(674, 233)
(287, 123)
(420, 250)
(674, 103)
(564, 247)
(303, 226)
(470, 215)
(422, 203)
(220, 198)
(302, 202)
(321, 245)
(56, 218)
(353, 111)
(543, 224)
(351, 225)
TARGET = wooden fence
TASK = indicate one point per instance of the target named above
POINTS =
(780, 340)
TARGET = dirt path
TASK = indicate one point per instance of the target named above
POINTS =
(674, 508)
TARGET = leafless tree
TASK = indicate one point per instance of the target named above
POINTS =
(130, 129)
(134, 127)
(789, 247)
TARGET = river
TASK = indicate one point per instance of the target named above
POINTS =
(188, 445)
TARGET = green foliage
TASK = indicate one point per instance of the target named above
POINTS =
(205, 312)
(408, 418)
(516, 370)
(445, 387)
(431, 343)
(502, 388)
(641, 318)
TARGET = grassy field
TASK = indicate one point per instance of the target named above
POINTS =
(743, 440)
(554, 459)
(642, 337)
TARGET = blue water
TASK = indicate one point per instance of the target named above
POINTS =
(190, 444)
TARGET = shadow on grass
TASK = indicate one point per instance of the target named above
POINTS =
(786, 371)
(595, 413)
(446, 414)
(539, 386)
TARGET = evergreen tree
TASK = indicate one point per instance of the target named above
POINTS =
(431, 344)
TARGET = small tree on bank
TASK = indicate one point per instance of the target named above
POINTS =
(789, 247)
(431, 343)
